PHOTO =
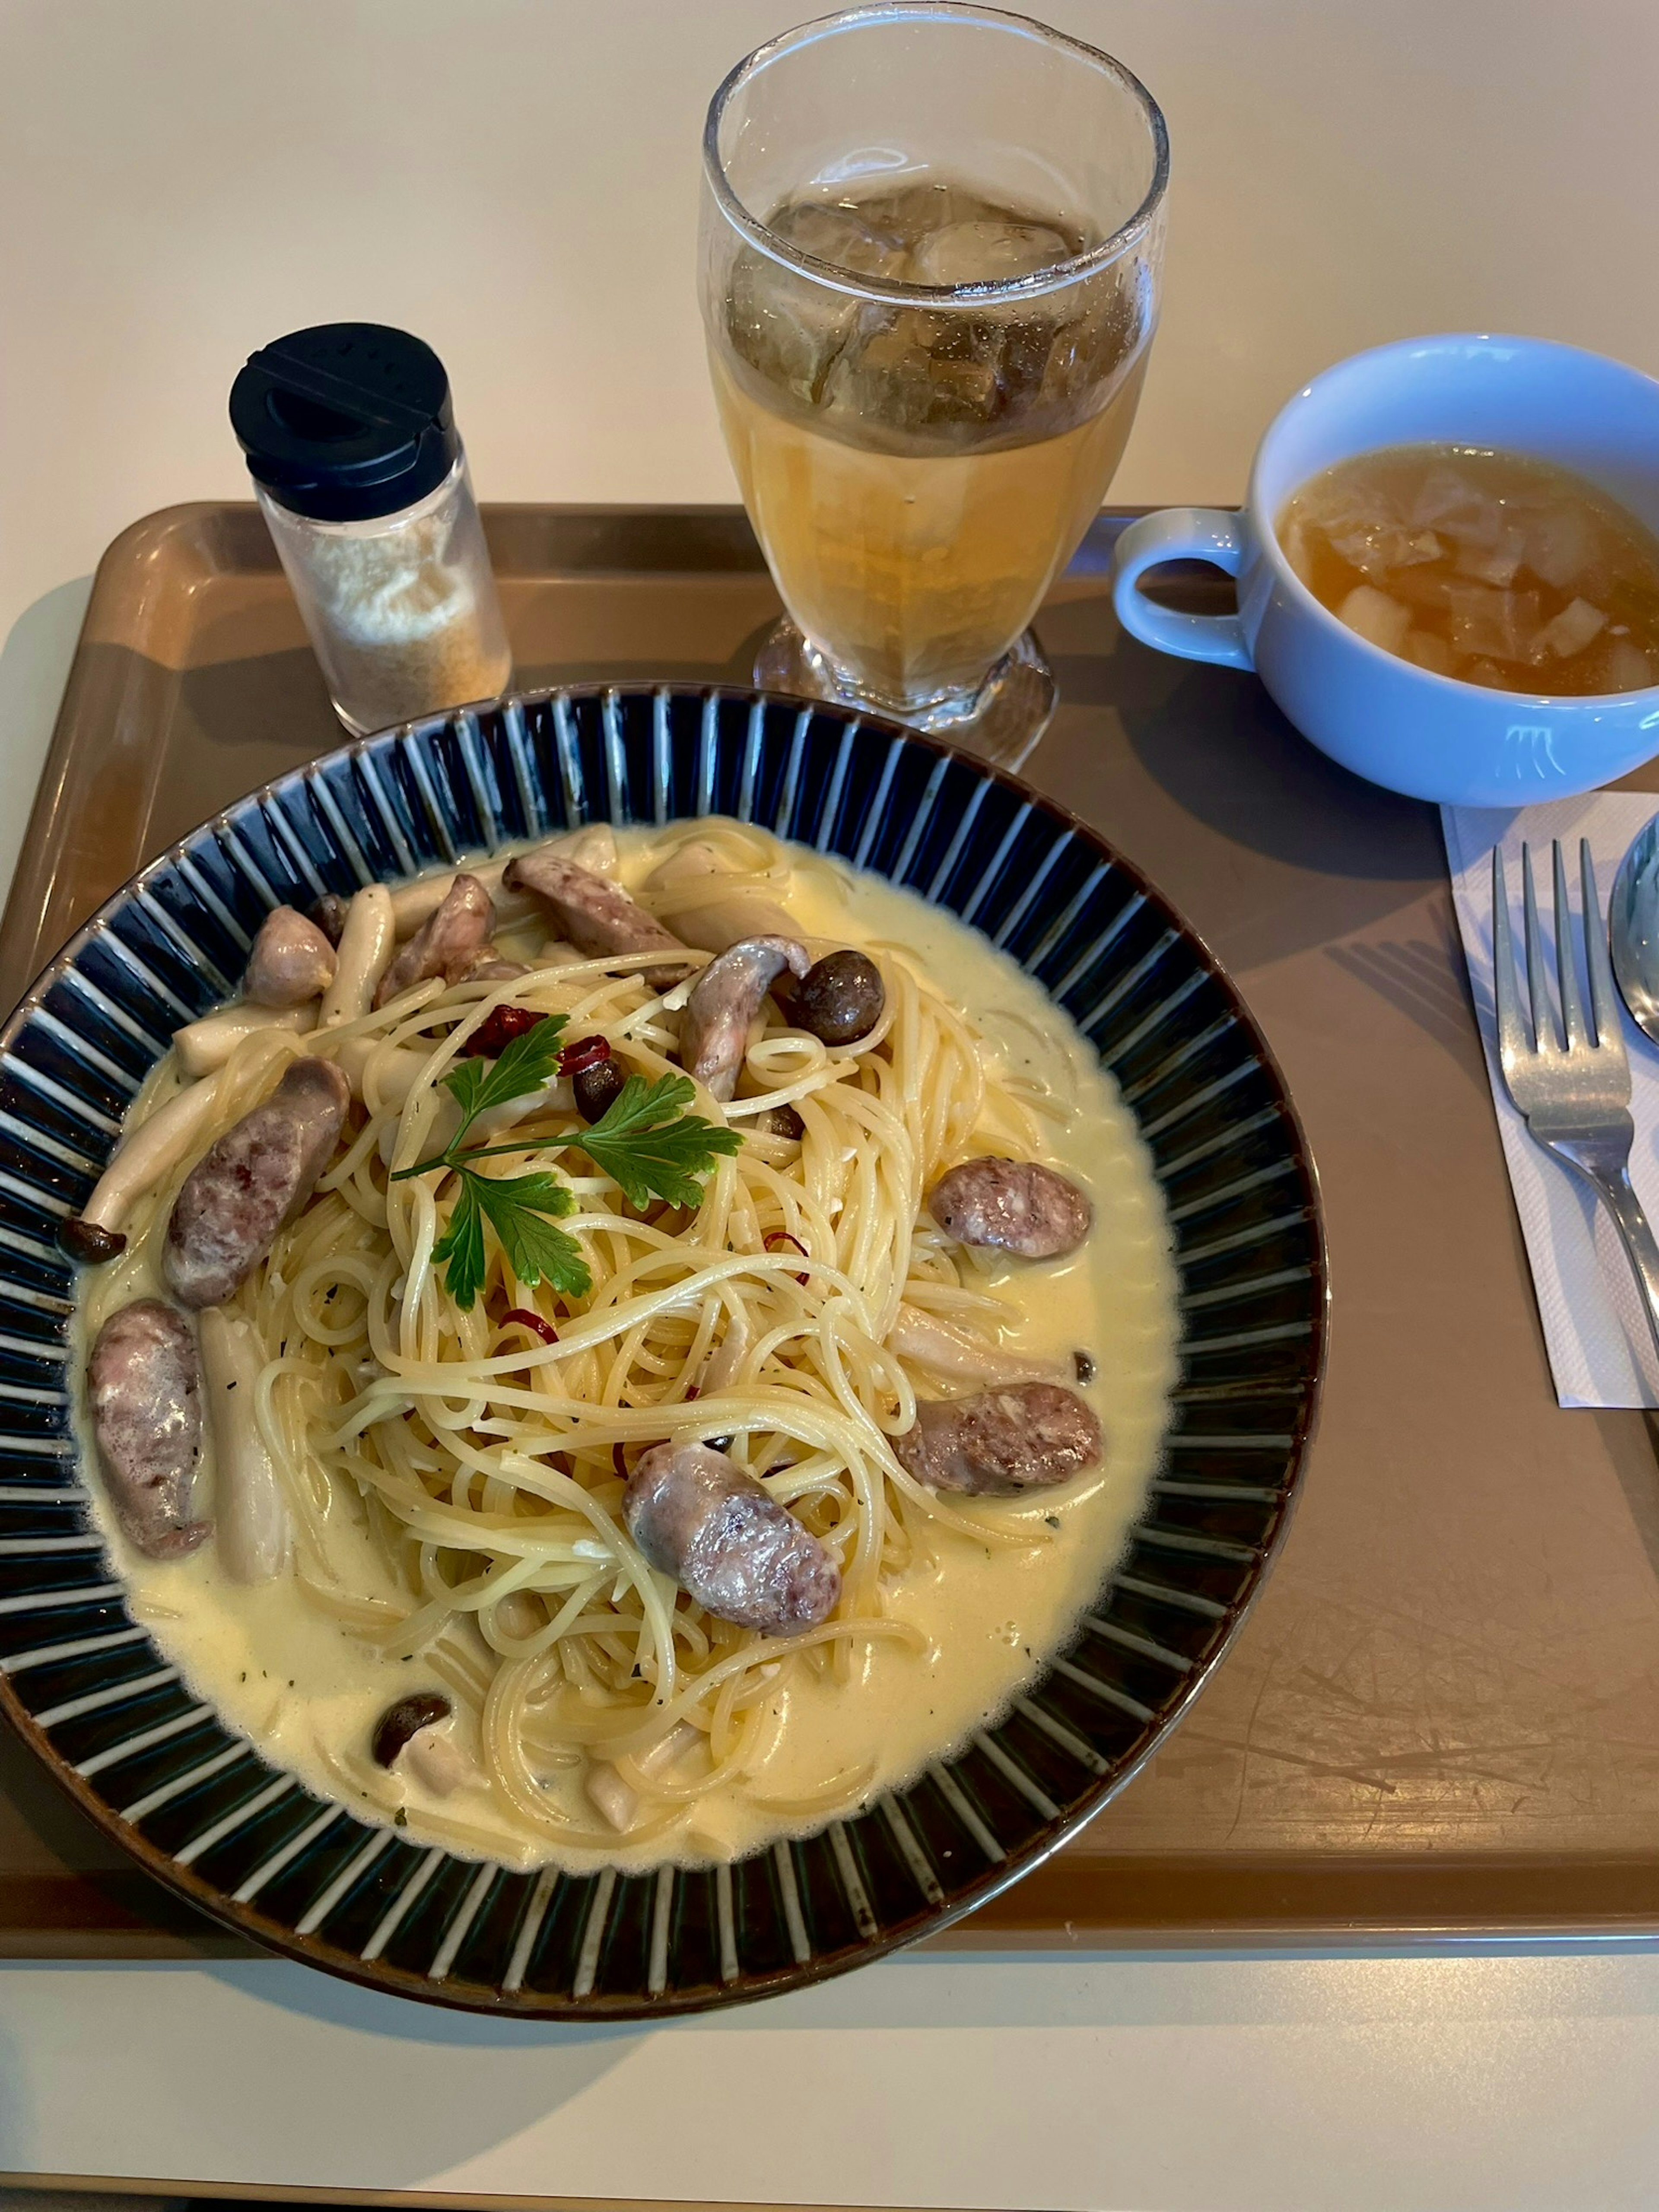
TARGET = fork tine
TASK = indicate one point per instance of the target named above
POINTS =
(1512, 1039)
(1567, 964)
(1604, 998)
(1543, 1014)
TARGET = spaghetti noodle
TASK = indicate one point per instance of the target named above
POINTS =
(455, 1474)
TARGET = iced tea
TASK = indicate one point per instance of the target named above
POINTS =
(919, 474)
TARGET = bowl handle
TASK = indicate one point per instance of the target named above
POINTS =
(1180, 533)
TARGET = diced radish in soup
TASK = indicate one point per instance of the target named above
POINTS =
(1628, 667)
(1560, 545)
(1375, 617)
(1579, 624)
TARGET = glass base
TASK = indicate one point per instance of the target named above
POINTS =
(1001, 722)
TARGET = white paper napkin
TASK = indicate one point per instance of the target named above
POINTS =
(1600, 1351)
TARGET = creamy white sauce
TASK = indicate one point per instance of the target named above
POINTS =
(309, 1694)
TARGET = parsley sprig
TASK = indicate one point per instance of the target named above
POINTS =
(644, 1143)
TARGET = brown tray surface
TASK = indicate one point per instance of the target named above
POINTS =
(1442, 1718)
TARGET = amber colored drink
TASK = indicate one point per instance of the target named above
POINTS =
(918, 477)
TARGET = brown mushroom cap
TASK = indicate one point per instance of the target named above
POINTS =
(397, 1724)
(86, 1242)
(840, 998)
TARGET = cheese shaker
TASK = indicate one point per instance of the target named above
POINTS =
(350, 439)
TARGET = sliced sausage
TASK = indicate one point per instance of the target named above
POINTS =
(251, 1184)
(448, 944)
(489, 967)
(597, 915)
(724, 999)
(292, 961)
(1000, 1443)
(141, 1161)
(698, 1516)
(146, 1390)
(1012, 1206)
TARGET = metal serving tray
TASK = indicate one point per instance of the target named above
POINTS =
(1441, 1720)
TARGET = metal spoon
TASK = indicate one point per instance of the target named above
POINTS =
(1633, 923)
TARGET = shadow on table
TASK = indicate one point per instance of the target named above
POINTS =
(1218, 744)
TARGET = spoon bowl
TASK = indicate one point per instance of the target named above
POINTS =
(1633, 925)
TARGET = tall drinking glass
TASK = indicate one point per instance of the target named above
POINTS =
(931, 248)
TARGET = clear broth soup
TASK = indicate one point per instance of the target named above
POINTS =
(1489, 567)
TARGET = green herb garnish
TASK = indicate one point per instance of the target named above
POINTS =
(644, 1143)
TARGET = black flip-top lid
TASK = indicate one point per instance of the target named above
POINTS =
(345, 420)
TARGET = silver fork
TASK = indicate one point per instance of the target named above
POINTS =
(1574, 1096)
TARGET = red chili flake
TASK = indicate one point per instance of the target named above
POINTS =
(586, 1052)
(497, 1030)
(690, 1392)
(774, 1241)
(532, 1322)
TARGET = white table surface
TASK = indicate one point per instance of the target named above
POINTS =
(182, 179)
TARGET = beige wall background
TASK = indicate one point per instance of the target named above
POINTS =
(516, 179)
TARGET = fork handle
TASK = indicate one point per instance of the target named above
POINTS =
(1609, 1176)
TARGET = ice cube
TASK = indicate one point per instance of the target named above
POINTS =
(841, 237)
(1579, 624)
(986, 253)
(1104, 320)
(926, 204)
(788, 329)
(906, 369)
(1375, 617)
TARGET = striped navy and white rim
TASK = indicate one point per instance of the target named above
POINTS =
(199, 1806)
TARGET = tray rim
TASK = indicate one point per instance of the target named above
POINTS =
(1267, 1901)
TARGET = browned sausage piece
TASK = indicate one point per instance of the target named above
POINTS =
(447, 944)
(697, 1515)
(596, 914)
(292, 961)
(146, 1391)
(1012, 1206)
(1000, 1443)
(724, 999)
(253, 1182)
